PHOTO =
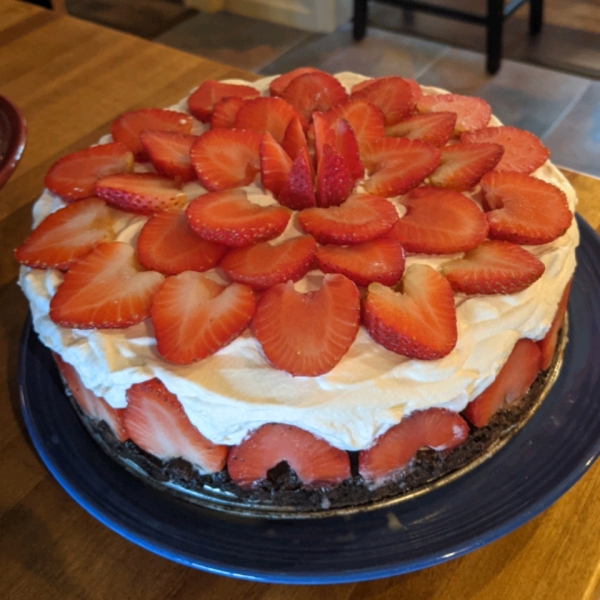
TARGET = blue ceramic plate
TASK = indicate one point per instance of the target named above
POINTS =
(541, 463)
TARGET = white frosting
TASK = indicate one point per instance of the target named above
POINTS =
(236, 390)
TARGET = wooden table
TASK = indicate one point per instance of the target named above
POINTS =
(71, 78)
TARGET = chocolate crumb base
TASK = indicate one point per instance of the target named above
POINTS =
(282, 494)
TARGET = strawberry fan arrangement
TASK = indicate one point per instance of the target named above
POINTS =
(354, 181)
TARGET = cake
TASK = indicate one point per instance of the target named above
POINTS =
(352, 337)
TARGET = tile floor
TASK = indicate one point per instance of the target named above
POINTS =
(560, 104)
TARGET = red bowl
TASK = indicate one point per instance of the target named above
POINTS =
(13, 134)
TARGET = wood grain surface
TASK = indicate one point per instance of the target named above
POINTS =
(71, 78)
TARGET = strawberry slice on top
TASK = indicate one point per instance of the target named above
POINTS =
(93, 406)
(397, 165)
(264, 265)
(168, 245)
(229, 218)
(267, 115)
(381, 260)
(169, 152)
(417, 318)
(127, 128)
(226, 158)
(434, 128)
(294, 139)
(193, 316)
(514, 379)
(334, 180)
(440, 222)
(73, 176)
(366, 119)
(471, 112)
(494, 267)
(463, 164)
(298, 191)
(279, 84)
(523, 151)
(362, 217)
(105, 289)
(225, 111)
(202, 102)
(142, 193)
(275, 164)
(417, 92)
(308, 334)
(523, 209)
(66, 235)
(155, 420)
(392, 95)
(315, 461)
(316, 91)
(390, 454)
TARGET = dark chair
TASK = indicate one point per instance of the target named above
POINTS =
(493, 20)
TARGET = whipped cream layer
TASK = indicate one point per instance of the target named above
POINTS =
(236, 390)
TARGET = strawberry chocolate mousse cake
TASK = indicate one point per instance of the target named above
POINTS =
(307, 292)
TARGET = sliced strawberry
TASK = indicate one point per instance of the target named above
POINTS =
(275, 164)
(73, 176)
(225, 111)
(494, 267)
(315, 461)
(340, 136)
(393, 96)
(380, 260)
(417, 92)
(298, 192)
(316, 91)
(334, 180)
(105, 289)
(264, 265)
(518, 373)
(202, 101)
(294, 139)
(471, 112)
(169, 152)
(323, 133)
(193, 316)
(548, 344)
(267, 115)
(93, 406)
(524, 210)
(168, 245)
(142, 193)
(440, 222)
(279, 84)
(435, 428)
(433, 128)
(417, 319)
(229, 218)
(129, 125)
(157, 423)
(366, 120)
(308, 334)
(346, 145)
(523, 151)
(462, 165)
(397, 165)
(361, 218)
(66, 235)
(226, 158)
